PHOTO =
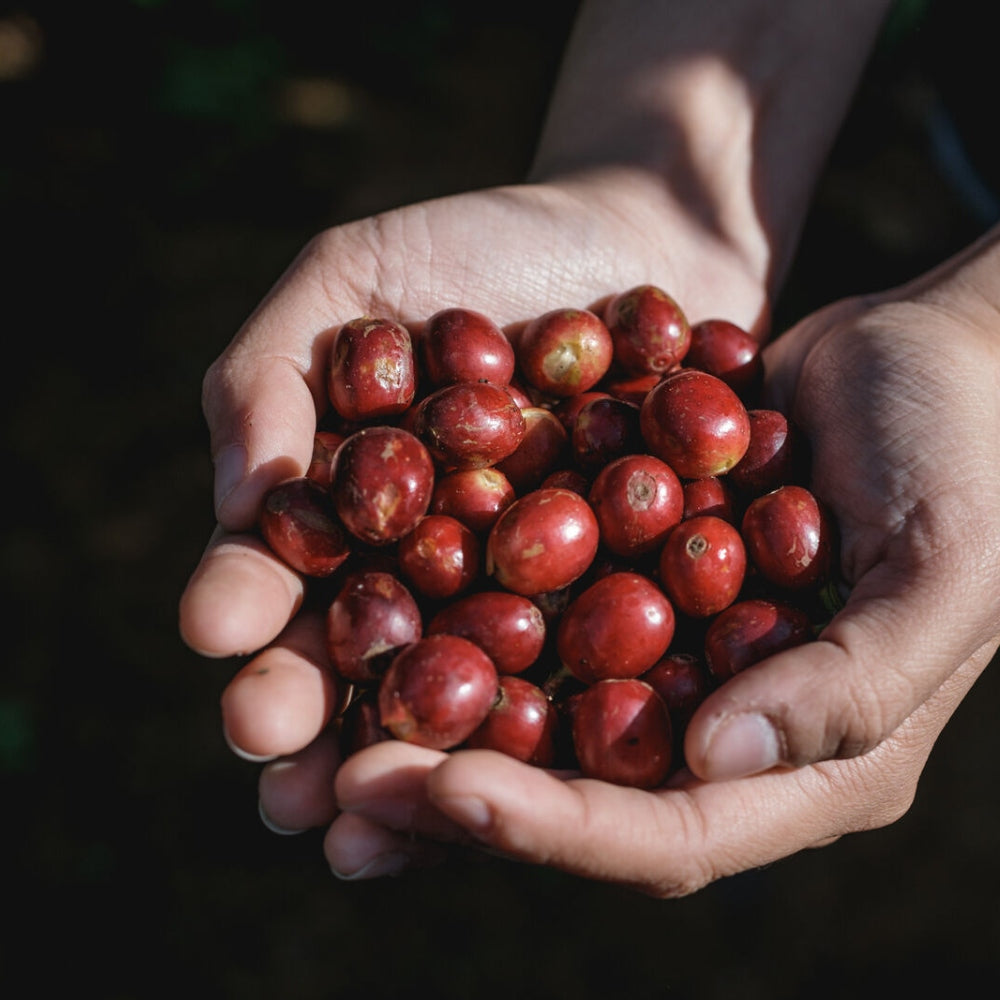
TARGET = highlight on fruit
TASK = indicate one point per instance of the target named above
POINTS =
(552, 543)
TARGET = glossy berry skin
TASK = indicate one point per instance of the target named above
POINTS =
(788, 537)
(695, 423)
(437, 691)
(604, 429)
(543, 542)
(729, 352)
(463, 345)
(771, 458)
(711, 495)
(702, 565)
(544, 447)
(469, 425)
(622, 733)
(476, 497)
(751, 630)
(618, 627)
(638, 499)
(649, 330)
(681, 680)
(298, 523)
(440, 556)
(508, 627)
(372, 369)
(564, 352)
(521, 723)
(370, 619)
(383, 478)
(325, 445)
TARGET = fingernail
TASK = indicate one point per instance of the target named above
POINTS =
(245, 754)
(467, 810)
(272, 826)
(744, 744)
(392, 863)
(230, 468)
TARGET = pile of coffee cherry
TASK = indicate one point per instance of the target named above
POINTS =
(554, 540)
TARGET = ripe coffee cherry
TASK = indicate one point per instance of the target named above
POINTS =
(543, 542)
(508, 627)
(437, 691)
(622, 733)
(729, 352)
(681, 680)
(476, 497)
(605, 428)
(469, 425)
(383, 478)
(710, 495)
(462, 345)
(521, 723)
(564, 352)
(370, 619)
(751, 630)
(299, 524)
(544, 447)
(637, 499)
(649, 331)
(440, 556)
(702, 565)
(787, 535)
(618, 627)
(325, 445)
(372, 369)
(695, 423)
(771, 457)
(359, 724)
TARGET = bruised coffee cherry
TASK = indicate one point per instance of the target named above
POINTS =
(788, 537)
(476, 497)
(383, 479)
(649, 330)
(469, 425)
(370, 619)
(372, 369)
(564, 352)
(440, 556)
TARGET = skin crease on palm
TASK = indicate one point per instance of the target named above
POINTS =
(899, 397)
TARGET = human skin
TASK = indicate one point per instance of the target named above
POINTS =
(898, 394)
(708, 205)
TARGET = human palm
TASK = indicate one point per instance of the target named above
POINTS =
(901, 459)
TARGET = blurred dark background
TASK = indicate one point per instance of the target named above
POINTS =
(160, 163)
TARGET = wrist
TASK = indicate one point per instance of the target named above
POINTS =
(729, 108)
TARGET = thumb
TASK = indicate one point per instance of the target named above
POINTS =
(896, 642)
(261, 397)
(262, 419)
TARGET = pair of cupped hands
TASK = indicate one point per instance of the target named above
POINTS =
(899, 396)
